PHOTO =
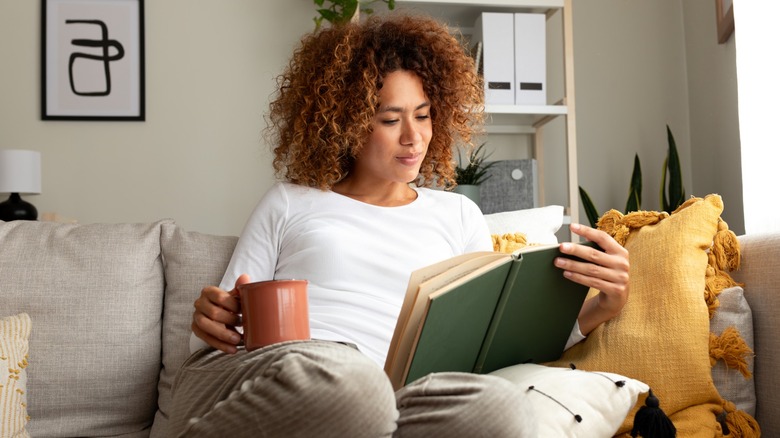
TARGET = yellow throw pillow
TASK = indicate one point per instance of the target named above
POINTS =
(14, 349)
(662, 335)
(509, 242)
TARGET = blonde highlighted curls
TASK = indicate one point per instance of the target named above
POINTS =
(327, 97)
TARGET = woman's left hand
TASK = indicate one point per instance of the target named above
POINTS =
(605, 270)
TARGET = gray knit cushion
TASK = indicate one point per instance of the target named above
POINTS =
(192, 260)
(95, 295)
(734, 311)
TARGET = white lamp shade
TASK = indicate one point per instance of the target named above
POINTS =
(20, 171)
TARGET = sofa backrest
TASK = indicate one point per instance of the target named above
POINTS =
(111, 306)
(192, 260)
(95, 297)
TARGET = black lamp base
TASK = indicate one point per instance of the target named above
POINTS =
(16, 209)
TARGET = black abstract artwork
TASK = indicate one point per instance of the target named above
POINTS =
(93, 60)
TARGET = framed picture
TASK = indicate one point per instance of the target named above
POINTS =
(92, 60)
(724, 12)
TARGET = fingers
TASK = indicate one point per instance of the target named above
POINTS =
(602, 239)
(605, 270)
(242, 279)
(228, 346)
(218, 305)
(215, 316)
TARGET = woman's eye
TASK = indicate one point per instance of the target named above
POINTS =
(424, 117)
(390, 122)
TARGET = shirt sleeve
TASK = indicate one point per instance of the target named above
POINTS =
(575, 337)
(257, 250)
(258, 247)
(475, 228)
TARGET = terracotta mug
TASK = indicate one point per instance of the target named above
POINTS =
(274, 311)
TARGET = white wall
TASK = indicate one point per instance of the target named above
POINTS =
(757, 67)
(631, 82)
(640, 66)
(200, 159)
(715, 133)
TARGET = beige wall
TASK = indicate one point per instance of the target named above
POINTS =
(641, 66)
(712, 84)
(200, 159)
(199, 156)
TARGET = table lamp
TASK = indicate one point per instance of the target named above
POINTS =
(20, 173)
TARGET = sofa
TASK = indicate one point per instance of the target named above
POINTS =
(109, 310)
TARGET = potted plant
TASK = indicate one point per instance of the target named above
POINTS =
(672, 190)
(470, 175)
(342, 11)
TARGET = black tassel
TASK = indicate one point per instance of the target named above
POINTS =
(651, 422)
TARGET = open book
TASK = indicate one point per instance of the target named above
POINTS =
(482, 311)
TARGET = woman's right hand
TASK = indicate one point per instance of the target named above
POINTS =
(216, 316)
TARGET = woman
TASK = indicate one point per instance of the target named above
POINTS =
(365, 119)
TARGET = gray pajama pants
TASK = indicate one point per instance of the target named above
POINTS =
(326, 389)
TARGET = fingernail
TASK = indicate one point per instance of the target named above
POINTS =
(575, 226)
(235, 338)
(566, 247)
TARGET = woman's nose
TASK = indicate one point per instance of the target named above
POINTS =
(410, 134)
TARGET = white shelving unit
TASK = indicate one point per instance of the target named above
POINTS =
(528, 120)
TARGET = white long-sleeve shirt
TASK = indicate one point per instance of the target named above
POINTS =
(357, 257)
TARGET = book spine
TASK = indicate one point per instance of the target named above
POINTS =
(505, 292)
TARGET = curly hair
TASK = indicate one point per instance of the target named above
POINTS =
(327, 97)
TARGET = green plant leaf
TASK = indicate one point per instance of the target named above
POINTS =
(590, 209)
(634, 202)
(475, 171)
(664, 199)
(342, 11)
(676, 189)
(329, 15)
(348, 11)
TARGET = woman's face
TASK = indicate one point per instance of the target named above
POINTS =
(401, 131)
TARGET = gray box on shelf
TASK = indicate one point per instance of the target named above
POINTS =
(511, 186)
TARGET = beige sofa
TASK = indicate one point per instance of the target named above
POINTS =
(110, 306)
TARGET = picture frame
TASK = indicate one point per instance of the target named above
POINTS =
(724, 13)
(92, 60)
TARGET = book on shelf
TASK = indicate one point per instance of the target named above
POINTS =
(482, 311)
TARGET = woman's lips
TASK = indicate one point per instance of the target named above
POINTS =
(409, 160)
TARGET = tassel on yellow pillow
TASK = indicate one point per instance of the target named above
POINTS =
(509, 242)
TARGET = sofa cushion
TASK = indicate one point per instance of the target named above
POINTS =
(94, 294)
(14, 349)
(662, 335)
(733, 374)
(538, 225)
(760, 265)
(192, 260)
(572, 402)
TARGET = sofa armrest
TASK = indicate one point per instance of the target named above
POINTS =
(760, 272)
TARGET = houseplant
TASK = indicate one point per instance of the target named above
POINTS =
(672, 192)
(342, 11)
(470, 175)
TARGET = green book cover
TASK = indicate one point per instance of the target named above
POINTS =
(535, 317)
(456, 324)
(519, 311)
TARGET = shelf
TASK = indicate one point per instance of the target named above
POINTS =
(489, 3)
(543, 110)
(463, 13)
